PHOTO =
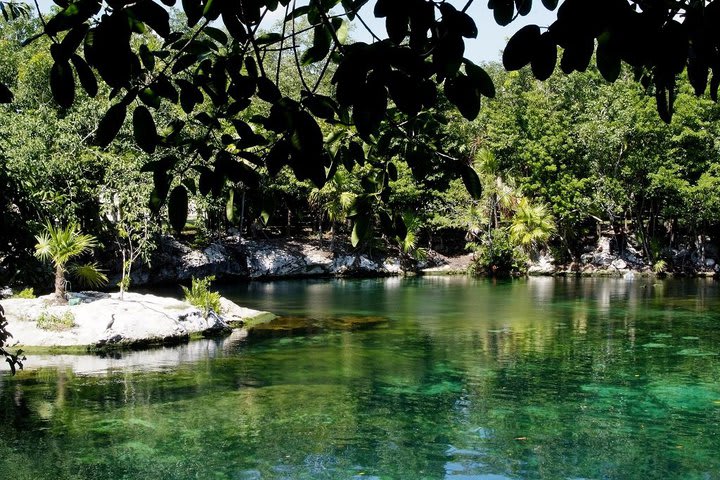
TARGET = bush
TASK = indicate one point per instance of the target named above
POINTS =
(26, 293)
(56, 323)
(200, 296)
(495, 255)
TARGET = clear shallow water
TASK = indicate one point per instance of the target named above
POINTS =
(462, 379)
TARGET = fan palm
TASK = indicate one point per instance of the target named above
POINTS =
(61, 244)
(531, 224)
(335, 199)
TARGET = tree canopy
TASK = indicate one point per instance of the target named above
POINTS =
(216, 63)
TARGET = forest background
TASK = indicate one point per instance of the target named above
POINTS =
(545, 167)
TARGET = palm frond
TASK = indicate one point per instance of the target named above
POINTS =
(43, 248)
(88, 275)
(531, 224)
(60, 244)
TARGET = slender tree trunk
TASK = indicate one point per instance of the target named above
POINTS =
(60, 284)
(125, 273)
(242, 214)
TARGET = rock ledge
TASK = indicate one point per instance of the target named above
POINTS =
(104, 321)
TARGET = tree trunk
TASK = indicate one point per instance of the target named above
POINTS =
(125, 274)
(60, 284)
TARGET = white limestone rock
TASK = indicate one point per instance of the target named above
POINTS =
(138, 319)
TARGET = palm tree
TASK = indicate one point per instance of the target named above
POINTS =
(335, 199)
(408, 244)
(531, 224)
(59, 245)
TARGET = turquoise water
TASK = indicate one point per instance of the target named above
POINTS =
(453, 378)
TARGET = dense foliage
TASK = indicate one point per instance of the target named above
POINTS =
(384, 93)
(552, 162)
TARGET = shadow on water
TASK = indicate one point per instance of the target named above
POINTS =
(454, 378)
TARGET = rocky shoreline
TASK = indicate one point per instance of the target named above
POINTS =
(245, 259)
(97, 321)
(607, 260)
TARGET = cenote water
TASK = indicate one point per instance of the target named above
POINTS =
(400, 378)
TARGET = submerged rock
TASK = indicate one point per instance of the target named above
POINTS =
(304, 325)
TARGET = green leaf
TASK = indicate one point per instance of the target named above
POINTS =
(62, 84)
(320, 106)
(164, 88)
(206, 181)
(608, 60)
(154, 15)
(86, 75)
(550, 4)
(149, 97)
(73, 39)
(544, 58)
(322, 40)
(230, 207)
(251, 68)
(110, 125)
(698, 72)
(523, 6)
(520, 47)
(277, 157)
(361, 228)
(190, 185)
(462, 92)
(472, 181)
(147, 58)
(503, 11)
(164, 164)
(211, 10)
(480, 78)
(342, 30)
(72, 15)
(267, 90)
(298, 12)
(216, 34)
(404, 92)
(268, 38)
(190, 95)
(178, 208)
(144, 129)
(448, 54)
(392, 171)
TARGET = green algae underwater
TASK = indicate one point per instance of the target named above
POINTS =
(437, 377)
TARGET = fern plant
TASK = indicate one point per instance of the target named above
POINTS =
(199, 295)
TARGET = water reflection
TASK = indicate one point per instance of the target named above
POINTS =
(160, 358)
(466, 379)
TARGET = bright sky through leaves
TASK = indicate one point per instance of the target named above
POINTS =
(492, 38)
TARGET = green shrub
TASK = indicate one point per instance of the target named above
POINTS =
(25, 293)
(496, 255)
(200, 296)
(56, 323)
(659, 266)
